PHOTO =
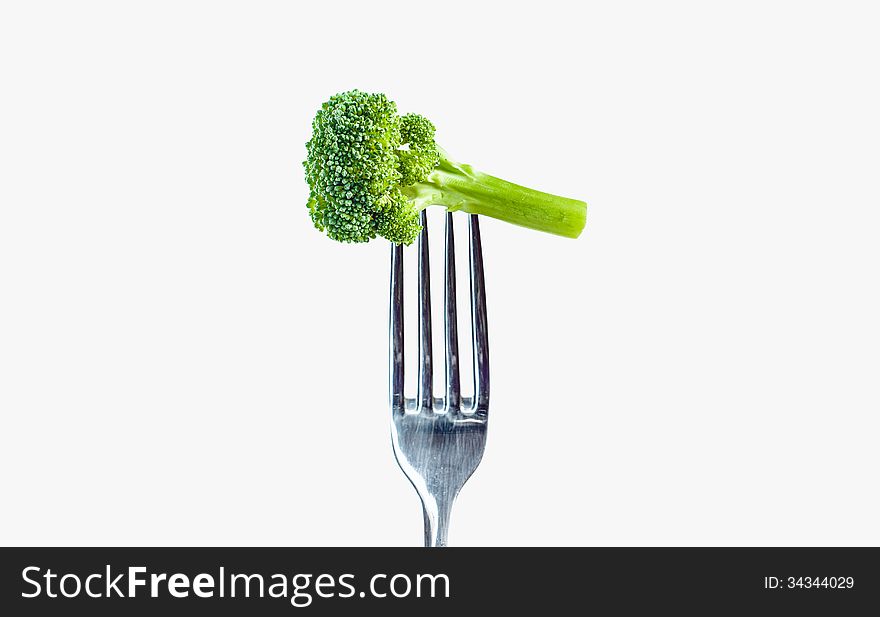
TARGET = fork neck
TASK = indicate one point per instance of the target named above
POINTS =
(436, 523)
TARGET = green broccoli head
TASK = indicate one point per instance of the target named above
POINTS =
(359, 157)
(370, 171)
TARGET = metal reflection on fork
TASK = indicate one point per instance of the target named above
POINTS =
(439, 442)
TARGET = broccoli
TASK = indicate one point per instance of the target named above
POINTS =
(371, 171)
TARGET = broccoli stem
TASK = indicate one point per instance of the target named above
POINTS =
(458, 186)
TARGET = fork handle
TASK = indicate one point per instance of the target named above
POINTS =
(436, 523)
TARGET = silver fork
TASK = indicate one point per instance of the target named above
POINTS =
(438, 442)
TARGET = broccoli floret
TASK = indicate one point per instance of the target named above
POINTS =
(371, 171)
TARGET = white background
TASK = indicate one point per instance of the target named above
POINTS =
(185, 360)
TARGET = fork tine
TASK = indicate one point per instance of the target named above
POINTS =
(398, 403)
(478, 319)
(453, 382)
(426, 371)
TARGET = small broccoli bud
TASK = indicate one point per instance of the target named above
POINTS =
(417, 132)
(399, 223)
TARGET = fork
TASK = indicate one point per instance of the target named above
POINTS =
(439, 442)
